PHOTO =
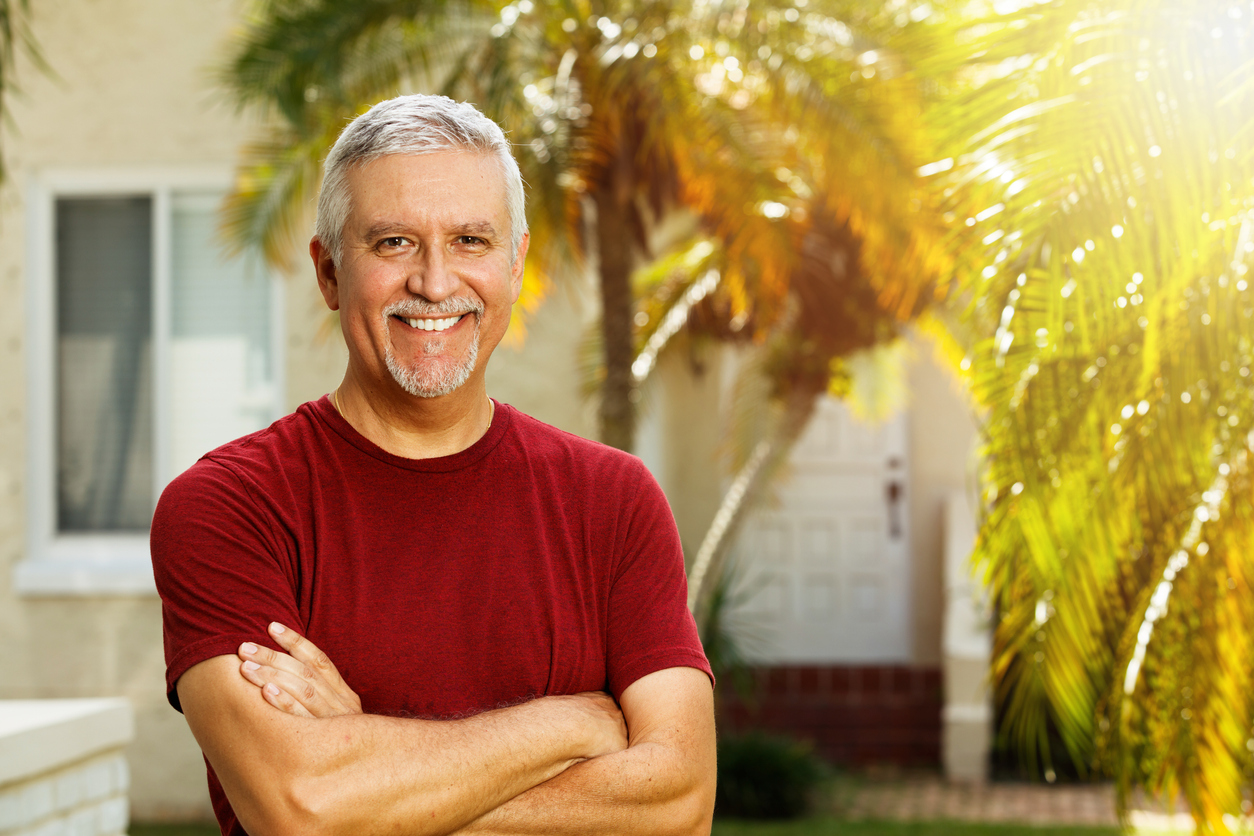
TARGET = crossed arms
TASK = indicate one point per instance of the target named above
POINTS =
(304, 759)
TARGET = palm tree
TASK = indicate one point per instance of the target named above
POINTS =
(625, 114)
(1101, 157)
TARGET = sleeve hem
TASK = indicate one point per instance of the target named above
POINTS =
(193, 654)
(672, 657)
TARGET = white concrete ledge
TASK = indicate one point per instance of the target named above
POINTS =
(38, 736)
(63, 771)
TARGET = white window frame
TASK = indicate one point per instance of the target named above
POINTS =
(101, 564)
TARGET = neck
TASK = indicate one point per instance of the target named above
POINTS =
(417, 428)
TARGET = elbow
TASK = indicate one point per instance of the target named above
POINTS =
(692, 812)
(317, 806)
(294, 806)
(701, 813)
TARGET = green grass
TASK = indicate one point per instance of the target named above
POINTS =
(174, 830)
(827, 826)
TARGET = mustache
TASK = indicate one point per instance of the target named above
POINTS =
(415, 308)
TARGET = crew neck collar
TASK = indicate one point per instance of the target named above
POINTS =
(326, 412)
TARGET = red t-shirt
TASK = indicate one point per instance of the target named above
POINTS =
(532, 563)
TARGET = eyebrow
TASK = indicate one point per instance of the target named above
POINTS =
(387, 228)
(484, 228)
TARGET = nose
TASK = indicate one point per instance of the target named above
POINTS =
(431, 275)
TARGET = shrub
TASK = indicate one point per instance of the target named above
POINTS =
(762, 776)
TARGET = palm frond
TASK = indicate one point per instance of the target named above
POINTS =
(1104, 185)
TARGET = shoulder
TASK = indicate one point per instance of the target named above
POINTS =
(607, 483)
(264, 461)
(546, 442)
(286, 438)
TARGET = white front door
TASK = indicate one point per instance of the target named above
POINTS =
(824, 573)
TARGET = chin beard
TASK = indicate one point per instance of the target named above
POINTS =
(434, 379)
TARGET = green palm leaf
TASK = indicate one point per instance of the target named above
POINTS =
(1106, 184)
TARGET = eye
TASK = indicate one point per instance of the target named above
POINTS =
(393, 242)
(471, 241)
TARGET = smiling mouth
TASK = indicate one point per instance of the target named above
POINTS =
(431, 324)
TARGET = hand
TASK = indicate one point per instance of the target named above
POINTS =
(605, 726)
(304, 683)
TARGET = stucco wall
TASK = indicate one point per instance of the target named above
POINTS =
(131, 90)
(943, 457)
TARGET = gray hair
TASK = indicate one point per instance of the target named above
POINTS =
(415, 124)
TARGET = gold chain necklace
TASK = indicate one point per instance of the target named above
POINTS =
(335, 399)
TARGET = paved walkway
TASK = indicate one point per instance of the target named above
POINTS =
(930, 797)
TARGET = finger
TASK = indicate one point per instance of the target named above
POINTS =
(303, 650)
(323, 692)
(318, 702)
(284, 701)
(264, 656)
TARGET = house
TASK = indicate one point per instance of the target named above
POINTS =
(130, 345)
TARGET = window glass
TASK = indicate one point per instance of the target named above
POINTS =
(211, 368)
(104, 451)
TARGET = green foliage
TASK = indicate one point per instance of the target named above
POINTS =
(1101, 184)
(761, 776)
(726, 638)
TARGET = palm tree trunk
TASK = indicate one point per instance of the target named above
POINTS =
(617, 414)
(743, 495)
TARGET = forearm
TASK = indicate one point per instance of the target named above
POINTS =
(362, 774)
(646, 789)
(663, 783)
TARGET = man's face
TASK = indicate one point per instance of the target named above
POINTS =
(427, 277)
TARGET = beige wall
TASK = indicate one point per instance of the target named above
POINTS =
(681, 433)
(131, 90)
(943, 454)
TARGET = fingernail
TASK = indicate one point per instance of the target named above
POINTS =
(248, 648)
(251, 666)
(277, 628)
(271, 689)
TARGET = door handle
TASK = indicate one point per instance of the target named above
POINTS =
(894, 490)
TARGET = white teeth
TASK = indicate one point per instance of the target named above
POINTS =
(433, 324)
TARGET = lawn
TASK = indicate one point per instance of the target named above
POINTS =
(827, 826)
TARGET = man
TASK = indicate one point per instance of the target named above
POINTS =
(472, 580)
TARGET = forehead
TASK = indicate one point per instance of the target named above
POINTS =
(444, 186)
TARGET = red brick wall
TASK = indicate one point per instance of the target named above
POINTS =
(855, 716)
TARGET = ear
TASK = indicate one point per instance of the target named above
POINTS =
(516, 272)
(324, 267)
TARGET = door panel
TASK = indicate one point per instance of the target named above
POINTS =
(823, 573)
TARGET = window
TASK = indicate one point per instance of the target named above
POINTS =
(147, 349)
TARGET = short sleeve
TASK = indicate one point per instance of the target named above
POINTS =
(221, 568)
(650, 628)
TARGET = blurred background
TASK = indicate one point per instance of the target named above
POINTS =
(933, 321)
